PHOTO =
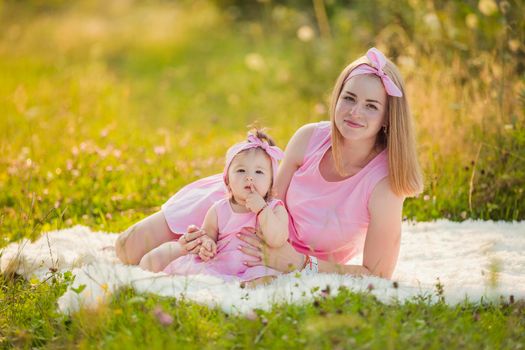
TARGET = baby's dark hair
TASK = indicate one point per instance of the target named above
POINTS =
(260, 134)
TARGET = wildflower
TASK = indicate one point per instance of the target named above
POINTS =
(164, 318)
(326, 292)
(370, 287)
(305, 33)
(251, 315)
(159, 150)
(406, 62)
(117, 153)
(472, 21)
(432, 21)
(254, 61)
(320, 108)
(487, 7)
(514, 45)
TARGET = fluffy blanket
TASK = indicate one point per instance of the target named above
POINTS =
(472, 259)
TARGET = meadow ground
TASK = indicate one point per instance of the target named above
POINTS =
(108, 108)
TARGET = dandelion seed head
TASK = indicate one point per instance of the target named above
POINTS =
(254, 61)
(305, 33)
(472, 21)
(487, 7)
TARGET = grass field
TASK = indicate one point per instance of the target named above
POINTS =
(107, 108)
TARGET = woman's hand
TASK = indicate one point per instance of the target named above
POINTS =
(284, 258)
(191, 241)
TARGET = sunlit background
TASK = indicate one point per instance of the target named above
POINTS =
(107, 108)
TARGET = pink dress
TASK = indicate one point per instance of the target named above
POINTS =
(228, 263)
(327, 219)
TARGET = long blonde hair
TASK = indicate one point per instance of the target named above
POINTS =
(404, 171)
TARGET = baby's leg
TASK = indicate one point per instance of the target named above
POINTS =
(158, 258)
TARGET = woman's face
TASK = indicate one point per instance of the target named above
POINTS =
(361, 108)
(252, 166)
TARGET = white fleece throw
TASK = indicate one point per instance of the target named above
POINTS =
(473, 259)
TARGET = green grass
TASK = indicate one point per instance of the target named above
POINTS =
(108, 109)
(346, 320)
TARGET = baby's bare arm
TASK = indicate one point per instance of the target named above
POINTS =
(210, 226)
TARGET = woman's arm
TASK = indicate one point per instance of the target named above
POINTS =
(381, 245)
(293, 159)
(383, 237)
(274, 225)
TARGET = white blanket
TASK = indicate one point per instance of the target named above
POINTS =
(473, 259)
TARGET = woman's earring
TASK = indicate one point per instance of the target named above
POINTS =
(385, 130)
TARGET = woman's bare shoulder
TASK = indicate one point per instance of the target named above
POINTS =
(297, 145)
(383, 197)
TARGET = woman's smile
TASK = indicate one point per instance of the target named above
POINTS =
(353, 124)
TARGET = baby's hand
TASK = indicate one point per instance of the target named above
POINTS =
(254, 201)
(208, 249)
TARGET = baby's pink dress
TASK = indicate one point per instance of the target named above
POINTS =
(327, 219)
(228, 262)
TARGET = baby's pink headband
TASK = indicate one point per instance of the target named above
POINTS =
(253, 141)
(378, 62)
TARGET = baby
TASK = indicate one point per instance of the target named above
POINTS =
(248, 174)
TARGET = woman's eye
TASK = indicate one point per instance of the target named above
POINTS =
(349, 98)
(373, 107)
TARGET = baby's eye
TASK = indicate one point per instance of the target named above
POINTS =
(259, 172)
(240, 170)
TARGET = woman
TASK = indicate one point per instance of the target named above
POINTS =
(343, 182)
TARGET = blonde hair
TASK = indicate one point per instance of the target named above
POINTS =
(404, 171)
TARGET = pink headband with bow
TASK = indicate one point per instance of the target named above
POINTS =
(253, 141)
(378, 62)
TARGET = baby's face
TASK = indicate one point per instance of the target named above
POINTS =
(252, 166)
